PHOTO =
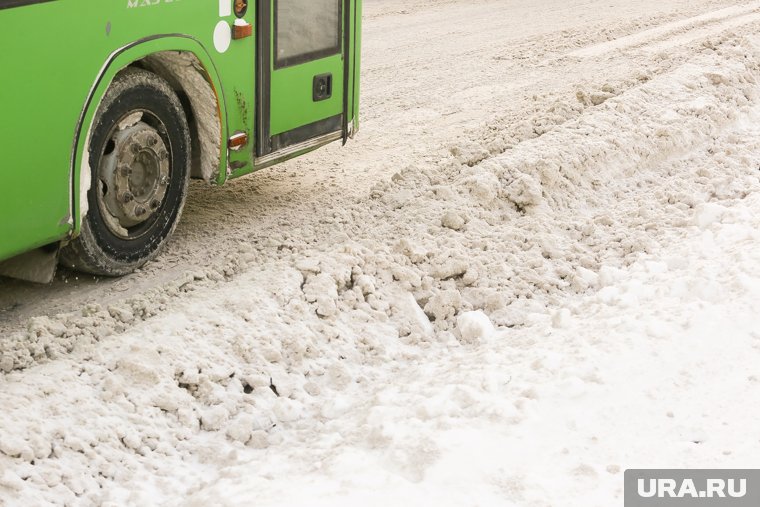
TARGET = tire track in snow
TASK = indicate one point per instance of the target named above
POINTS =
(703, 33)
(642, 38)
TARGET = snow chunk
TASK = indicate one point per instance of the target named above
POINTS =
(409, 310)
(213, 418)
(443, 305)
(11, 481)
(450, 268)
(12, 446)
(241, 428)
(562, 318)
(609, 276)
(484, 188)
(322, 290)
(474, 326)
(588, 276)
(453, 220)
(525, 191)
(287, 410)
(707, 214)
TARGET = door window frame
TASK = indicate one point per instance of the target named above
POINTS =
(281, 63)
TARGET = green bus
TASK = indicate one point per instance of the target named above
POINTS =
(107, 109)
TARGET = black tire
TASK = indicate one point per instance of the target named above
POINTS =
(117, 235)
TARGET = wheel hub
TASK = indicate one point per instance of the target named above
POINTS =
(135, 176)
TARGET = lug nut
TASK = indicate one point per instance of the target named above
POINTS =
(134, 148)
(125, 170)
(155, 203)
(127, 197)
(140, 211)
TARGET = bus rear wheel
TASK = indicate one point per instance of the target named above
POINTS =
(139, 153)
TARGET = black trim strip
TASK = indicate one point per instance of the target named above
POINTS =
(306, 132)
(354, 69)
(346, 66)
(303, 58)
(263, 76)
(10, 4)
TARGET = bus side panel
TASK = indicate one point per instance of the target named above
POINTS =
(293, 104)
(52, 52)
(36, 125)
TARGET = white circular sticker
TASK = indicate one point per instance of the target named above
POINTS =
(222, 36)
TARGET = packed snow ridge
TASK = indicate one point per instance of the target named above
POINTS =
(436, 259)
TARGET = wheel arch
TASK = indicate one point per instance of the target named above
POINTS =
(186, 65)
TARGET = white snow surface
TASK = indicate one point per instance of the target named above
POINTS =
(514, 321)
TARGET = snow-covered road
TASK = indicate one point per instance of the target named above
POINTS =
(538, 266)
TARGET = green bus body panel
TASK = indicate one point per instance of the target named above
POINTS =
(292, 104)
(58, 60)
(36, 127)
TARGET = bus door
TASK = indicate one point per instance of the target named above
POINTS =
(301, 68)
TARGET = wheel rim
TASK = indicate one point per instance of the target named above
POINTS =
(134, 175)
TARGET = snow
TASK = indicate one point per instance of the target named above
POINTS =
(523, 309)
(474, 327)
